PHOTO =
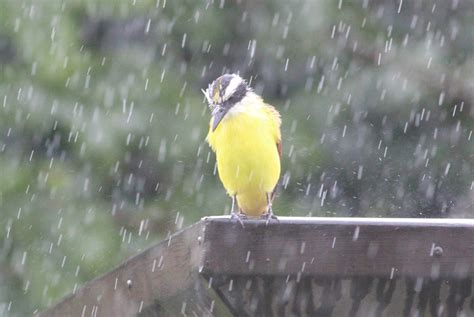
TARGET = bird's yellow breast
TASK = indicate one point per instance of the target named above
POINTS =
(247, 156)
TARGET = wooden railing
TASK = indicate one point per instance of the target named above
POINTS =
(293, 267)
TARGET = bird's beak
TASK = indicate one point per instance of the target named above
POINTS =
(218, 115)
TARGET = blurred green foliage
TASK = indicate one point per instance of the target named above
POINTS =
(103, 125)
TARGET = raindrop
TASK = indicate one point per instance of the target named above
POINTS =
(321, 84)
(400, 7)
(441, 98)
(253, 47)
(9, 227)
(27, 286)
(147, 27)
(446, 171)
(23, 258)
(313, 60)
(160, 261)
(247, 257)
(428, 65)
(323, 198)
(162, 151)
(302, 247)
(355, 236)
(211, 309)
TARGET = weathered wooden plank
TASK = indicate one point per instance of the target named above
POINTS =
(340, 247)
(323, 265)
(358, 296)
(161, 281)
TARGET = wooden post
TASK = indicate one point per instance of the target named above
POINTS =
(294, 266)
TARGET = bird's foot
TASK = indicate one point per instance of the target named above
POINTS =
(239, 217)
(268, 216)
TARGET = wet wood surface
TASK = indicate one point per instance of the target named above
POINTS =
(292, 267)
(162, 281)
(341, 246)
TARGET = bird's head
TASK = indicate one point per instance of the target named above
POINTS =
(224, 93)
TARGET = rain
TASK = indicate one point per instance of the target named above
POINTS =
(103, 124)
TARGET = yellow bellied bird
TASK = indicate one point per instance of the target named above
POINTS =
(245, 134)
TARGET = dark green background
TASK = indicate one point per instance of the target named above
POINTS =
(102, 122)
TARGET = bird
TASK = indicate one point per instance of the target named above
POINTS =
(244, 132)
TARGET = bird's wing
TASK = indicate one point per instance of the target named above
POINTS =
(210, 136)
(279, 148)
(275, 120)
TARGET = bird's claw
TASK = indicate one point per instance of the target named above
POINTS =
(268, 216)
(239, 217)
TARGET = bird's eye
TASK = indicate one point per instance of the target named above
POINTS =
(232, 99)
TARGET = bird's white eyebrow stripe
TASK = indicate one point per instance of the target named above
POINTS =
(232, 87)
